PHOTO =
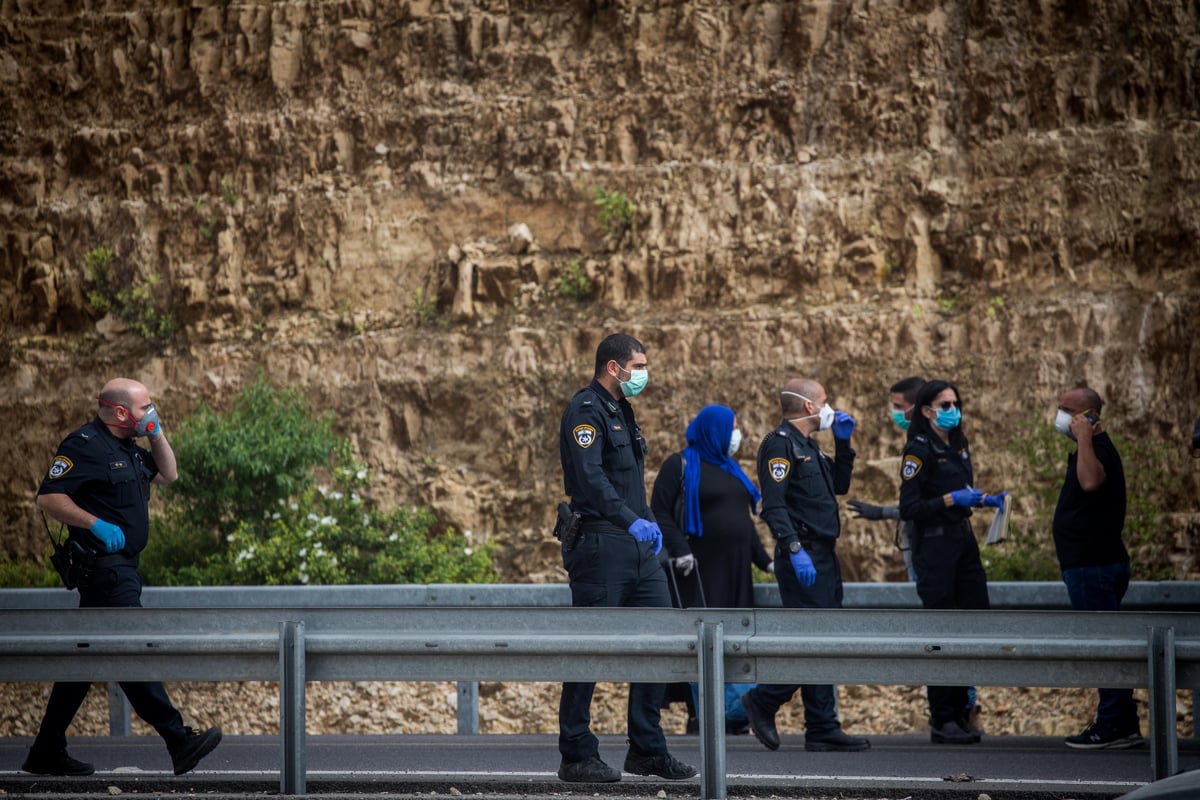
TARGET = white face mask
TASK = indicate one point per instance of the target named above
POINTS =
(1062, 423)
(825, 414)
(735, 441)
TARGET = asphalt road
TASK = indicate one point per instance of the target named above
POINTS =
(896, 767)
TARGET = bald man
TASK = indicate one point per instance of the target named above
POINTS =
(1088, 522)
(799, 486)
(98, 485)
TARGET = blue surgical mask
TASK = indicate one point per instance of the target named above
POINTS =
(901, 420)
(637, 381)
(948, 420)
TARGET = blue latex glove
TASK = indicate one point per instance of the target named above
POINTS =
(843, 425)
(802, 565)
(112, 535)
(646, 531)
(995, 500)
(970, 498)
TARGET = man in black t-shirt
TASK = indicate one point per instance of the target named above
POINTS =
(1088, 522)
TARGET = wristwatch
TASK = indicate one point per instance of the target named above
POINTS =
(792, 544)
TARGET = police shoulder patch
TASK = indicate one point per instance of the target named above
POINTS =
(911, 466)
(584, 435)
(59, 467)
(778, 469)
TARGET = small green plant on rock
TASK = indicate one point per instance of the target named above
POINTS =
(227, 193)
(615, 210)
(136, 305)
(425, 307)
(574, 282)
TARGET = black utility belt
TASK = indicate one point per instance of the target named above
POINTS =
(945, 530)
(116, 560)
(600, 526)
(824, 543)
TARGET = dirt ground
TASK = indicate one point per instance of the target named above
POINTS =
(430, 708)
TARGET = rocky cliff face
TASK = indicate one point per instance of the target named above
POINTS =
(374, 201)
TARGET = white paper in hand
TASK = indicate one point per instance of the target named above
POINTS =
(998, 530)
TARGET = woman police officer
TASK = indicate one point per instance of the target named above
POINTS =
(937, 495)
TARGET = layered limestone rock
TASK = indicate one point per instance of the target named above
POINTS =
(375, 202)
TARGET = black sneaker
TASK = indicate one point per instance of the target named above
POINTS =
(1100, 736)
(43, 762)
(835, 741)
(762, 724)
(590, 770)
(197, 745)
(951, 733)
(664, 765)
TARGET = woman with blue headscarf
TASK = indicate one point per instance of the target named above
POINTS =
(704, 502)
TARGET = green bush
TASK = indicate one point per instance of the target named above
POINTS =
(136, 305)
(329, 536)
(1149, 479)
(233, 465)
(247, 509)
(28, 574)
(1022, 556)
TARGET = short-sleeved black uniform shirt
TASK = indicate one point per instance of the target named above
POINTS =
(799, 484)
(108, 477)
(1088, 525)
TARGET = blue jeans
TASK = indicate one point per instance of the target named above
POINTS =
(1102, 589)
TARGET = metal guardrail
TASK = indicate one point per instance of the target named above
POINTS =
(1159, 651)
(1041, 596)
(1046, 596)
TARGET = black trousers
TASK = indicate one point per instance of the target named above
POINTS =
(949, 575)
(110, 587)
(820, 700)
(610, 568)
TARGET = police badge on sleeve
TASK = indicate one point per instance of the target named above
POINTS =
(778, 469)
(910, 467)
(59, 467)
(584, 435)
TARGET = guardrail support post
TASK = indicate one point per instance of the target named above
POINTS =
(119, 722)
(1164, 744)
(468, 708)
(291, 707)
(710, 651)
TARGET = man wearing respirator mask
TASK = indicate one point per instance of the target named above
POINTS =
(98, 485)
(799, 483)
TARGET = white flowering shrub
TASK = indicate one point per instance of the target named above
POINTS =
(327, 535)
(256, 515)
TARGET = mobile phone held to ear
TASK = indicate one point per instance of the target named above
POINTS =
(1091, 417)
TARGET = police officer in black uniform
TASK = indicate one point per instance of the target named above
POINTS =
(937, 494)
(613, 560)
(98, 485)
(799, 484)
